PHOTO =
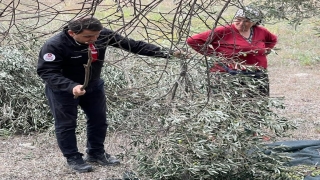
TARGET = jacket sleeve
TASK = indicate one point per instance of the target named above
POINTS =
(50, 68)
(137, 47)
(201, 42)
(271, 39)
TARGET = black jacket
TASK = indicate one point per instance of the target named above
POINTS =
(61, 59)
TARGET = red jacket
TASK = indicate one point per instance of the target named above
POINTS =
(227, 42)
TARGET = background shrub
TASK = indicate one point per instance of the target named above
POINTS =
(23, 107)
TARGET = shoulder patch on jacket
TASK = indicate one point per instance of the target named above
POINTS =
(49, 57)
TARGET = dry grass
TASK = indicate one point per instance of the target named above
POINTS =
(294, 74)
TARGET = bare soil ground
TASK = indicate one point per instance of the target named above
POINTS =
(38, 157)
(300, 86)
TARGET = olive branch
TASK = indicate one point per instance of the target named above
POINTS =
(87, 71)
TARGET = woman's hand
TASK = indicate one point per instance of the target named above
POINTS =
(267, 51)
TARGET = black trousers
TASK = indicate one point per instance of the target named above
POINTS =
(257, 74)
(261, 82)
(263, 86)
(65, 108)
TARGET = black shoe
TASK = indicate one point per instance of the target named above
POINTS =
(104, 159)
(77, 164)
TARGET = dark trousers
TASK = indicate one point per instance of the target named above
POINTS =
(244, 80)
(65, 108)
(263, 86)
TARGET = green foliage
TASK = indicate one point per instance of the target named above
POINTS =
(22, 103)
(295, 11)
(195, 136)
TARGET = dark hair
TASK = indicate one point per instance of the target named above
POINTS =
(85, 23)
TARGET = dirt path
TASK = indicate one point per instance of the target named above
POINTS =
(38, 158)
(301, 88)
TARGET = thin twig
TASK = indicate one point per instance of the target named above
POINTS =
(87, 71)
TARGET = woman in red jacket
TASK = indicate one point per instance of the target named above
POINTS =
(241, 46)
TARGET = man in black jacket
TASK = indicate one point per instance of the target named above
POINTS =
(60, 65)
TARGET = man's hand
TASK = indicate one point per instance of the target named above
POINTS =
(77, 91)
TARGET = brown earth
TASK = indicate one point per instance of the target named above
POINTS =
(300, 86)
(38, 157)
